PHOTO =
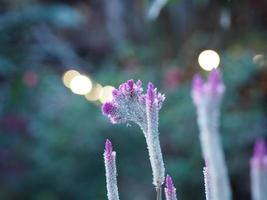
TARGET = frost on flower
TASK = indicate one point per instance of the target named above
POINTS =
(130, 104)
(111, 171)
(207, 97)
(207, 183)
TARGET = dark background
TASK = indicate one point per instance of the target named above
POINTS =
(51, 140)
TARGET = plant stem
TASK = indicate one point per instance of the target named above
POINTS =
(158, 193)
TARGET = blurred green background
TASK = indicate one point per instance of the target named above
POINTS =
(51, 140)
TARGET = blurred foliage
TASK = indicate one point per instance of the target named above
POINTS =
(51, 141)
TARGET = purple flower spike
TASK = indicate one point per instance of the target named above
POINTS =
(111, 171)
(259, 158)
(258, 170)
(108, 147)
(215, 82)
(260, 149)
(207, 92)
(214, 77)
(198, 82)
(207, 98)
(169, 183)
(150, 93)
(197, 88)
(170, 191)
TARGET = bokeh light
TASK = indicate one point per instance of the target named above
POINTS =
(259, 59)
(106, 94)
(208, 60)
(81, 85)
(94, 95)
(68, 76)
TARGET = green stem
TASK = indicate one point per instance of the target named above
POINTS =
(158, 193)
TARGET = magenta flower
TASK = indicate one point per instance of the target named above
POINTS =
(258, 171)
(170, 190)
(260, 153)
(130, 104)
(207, 97)
(211, 91)
(111, 172)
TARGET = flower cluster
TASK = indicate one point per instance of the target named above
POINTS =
(129, 103)
(259, 158)
(209, 92)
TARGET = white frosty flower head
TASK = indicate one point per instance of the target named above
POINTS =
(129, 103)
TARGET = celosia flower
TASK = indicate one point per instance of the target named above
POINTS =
(260, 154)
(207, 97)
(170, 190)
(111, 172)
(211, 91)
(130, 104)
(258, 168)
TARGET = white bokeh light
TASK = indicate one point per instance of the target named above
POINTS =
(106, 94)
(68, 76)
(94, 94)
(208, 60)
(81, 85)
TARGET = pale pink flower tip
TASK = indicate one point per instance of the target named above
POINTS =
(151, 92)
(198, 83)
(214, 78)
(260, 149)
(108, 148)
(169, 182)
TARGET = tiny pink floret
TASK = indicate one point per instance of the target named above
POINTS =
(259, 158)
(108, 108)
(169, 183)
(108, 148)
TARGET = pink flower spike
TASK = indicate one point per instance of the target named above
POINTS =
(170, 191)
(169, 183)
(108, 148)
(197, 83)
(258, 170)
(215, 76)
(111, 172)
(260, 149)
(197, 88)
(150, 92)
(215, 82)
